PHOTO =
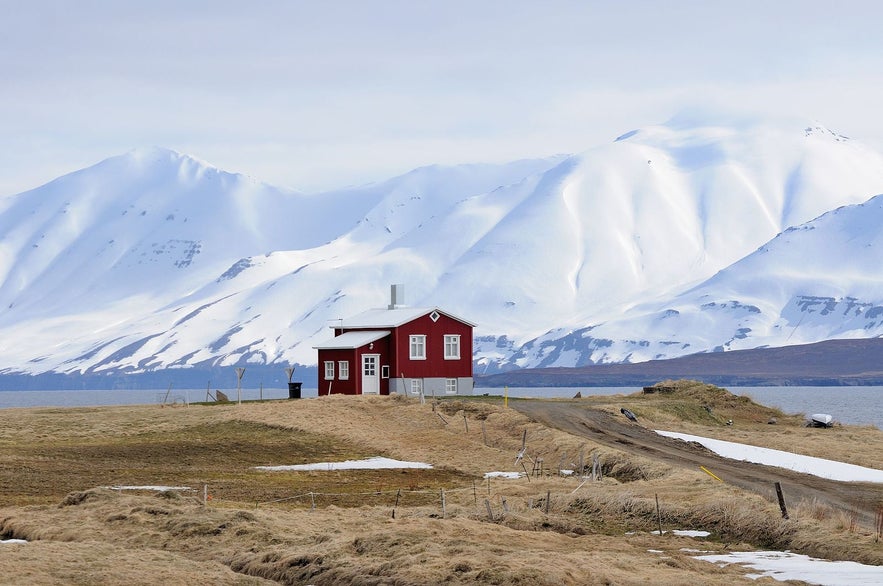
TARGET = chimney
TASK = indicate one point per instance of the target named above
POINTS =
(396, 296)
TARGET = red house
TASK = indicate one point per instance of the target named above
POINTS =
(400, 349)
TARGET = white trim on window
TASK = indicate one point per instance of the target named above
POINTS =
(343, 369)
(452, 346)
(450, 386)
(384, 371)
(417, 347)
(416, 386)
(329, 370)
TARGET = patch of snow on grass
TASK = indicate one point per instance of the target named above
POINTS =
(13, 541)
(377, 463)
(791, 566)
(691, 533)
(684, 533)
(158, 488)
(821, 467)
(508, 475)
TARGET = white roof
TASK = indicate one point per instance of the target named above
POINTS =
(391, 318)
(351, 340)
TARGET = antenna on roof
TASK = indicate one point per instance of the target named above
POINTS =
(396, 296)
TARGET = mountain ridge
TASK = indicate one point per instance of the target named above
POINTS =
(597, 257)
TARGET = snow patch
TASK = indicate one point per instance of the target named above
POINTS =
(830, 469)
(785, 565)
(377, 463)
(506, 475)
(158, 488)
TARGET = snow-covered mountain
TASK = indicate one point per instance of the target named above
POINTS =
(669, 240)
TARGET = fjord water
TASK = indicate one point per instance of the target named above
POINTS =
(851, 405)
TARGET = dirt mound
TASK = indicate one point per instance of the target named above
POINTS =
(698, 402)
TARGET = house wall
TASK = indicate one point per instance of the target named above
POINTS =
(338, 386)
(435, 365)
(353, 384)
(432, 387)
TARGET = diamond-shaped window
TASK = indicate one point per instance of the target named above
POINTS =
(434, 316)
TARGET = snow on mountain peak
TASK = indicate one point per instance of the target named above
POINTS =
(636, 249)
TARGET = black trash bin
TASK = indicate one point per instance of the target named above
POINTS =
(294, 390)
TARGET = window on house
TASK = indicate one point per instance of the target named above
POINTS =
(451, 386)
(384, 371)
(343, 370)
(416, 386)
(452, 347)
(329, 370)
(418, 347)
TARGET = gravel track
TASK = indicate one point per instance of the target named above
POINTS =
(601, 427)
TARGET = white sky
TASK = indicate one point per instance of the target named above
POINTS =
(314, 95)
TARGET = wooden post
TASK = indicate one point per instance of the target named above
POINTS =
(465, 422)
(548, 496)
(526, 473)
(781, 500)
(398, 494)
(483, 432)
(474, 493)
(313, 501)
(489, 485)
(444, 510)
(445, 421)
(505, 505)
(490, 511)
(658, 515)
(204, 494)
(581, 464)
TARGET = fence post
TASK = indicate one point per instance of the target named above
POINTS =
(548, 496)
(465, 422)
(396, 505)
(490, 511)
(658, 515)
(781, 500)
(444, 512)
(483, 432)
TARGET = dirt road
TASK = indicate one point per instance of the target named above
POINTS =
(619, 433)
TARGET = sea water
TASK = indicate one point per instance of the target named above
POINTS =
(856, 405)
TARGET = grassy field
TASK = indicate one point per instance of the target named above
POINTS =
(444, 525)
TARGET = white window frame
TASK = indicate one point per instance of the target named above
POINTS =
(451, 386)
(343, 369)
(329, 370)
(452, 343)
(417, 346)
(416, 386)
(384, 371)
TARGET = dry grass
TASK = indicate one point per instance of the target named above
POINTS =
(593, 533)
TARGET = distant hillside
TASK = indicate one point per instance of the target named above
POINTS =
(833, 362)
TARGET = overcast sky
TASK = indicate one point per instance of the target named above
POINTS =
(322, 94)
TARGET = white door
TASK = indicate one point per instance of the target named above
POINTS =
(370, 374)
